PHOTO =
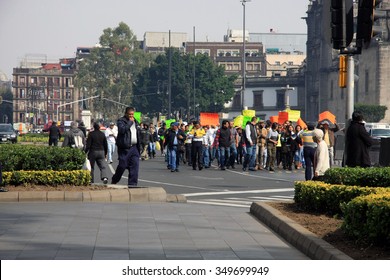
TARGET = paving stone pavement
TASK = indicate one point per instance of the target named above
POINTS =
(139, 231)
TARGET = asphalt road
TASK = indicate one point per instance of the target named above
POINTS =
(216, 187)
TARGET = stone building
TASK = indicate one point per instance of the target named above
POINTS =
(45, 93)
(372, 67)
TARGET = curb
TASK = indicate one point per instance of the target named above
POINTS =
(118, 194)
(298, 236)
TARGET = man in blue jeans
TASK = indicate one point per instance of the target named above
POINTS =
(251, 144)
(129, 147)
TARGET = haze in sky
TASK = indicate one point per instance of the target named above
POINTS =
(56, 28)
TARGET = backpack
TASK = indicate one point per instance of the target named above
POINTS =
(76, 141)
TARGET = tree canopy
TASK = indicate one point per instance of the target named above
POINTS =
(212, 87)
(110, 69)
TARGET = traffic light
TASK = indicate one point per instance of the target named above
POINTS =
(343, 71)
(367, 14)
(341, 23)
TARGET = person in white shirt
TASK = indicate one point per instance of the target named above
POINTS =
(111, 134)
(321, 155)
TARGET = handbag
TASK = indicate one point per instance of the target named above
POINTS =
(87, 165)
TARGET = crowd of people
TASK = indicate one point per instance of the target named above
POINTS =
(259, 145)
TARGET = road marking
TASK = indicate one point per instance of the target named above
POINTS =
(217, 203)
(239, 192)
(263, 177)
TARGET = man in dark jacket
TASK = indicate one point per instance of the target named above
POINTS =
(174, 139)
(97, 152)
(129, 148)
(223, 138)
(54, 134)
(357, 143)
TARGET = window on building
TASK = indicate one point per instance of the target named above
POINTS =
(280, 97)
(290, 63)
(22, 93)
(22, 81)
(366, 81)
(67, 107)
(277, 62)
(57, 82)
(68, 94)
(33, 80)
(237, 100)
(42, 81)
(258, 99)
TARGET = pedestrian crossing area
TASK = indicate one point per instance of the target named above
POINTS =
(243, 202)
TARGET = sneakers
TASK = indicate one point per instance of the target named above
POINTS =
(105, 181)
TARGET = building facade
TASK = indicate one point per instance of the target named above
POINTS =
(372, 68)
(45, 93)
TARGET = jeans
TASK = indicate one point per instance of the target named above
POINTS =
(111, 150)
(224, 153)
(233, 154)
(308, 154)
(250, 157)
(206, 156)
(173, 158)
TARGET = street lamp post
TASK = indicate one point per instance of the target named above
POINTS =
(68, 103)
(243, 55)
(287, 97)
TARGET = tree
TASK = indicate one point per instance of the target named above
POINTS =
(110, 69)
(6, 110)
(212, 87)
(372, 113)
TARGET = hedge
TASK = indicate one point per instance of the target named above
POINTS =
(326, 198)
(31, 157)
(368, 218)
(49, 178)
(357, 176)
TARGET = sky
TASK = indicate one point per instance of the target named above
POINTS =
(55, 28)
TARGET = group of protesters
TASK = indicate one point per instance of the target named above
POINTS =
(258, 145)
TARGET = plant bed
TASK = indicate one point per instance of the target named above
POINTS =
(328, 229)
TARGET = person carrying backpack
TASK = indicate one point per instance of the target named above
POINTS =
(74, 137)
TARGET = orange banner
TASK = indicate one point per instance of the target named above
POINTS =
(209, 119)
(301, 123)
(327, 116)
(274, 119)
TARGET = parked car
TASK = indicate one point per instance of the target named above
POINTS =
(378, 131)
(8, 133)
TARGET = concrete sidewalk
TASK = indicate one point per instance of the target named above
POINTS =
(145, 230)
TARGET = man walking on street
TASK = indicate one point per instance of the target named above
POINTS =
(111, 134)
(129, 147)
(54, 134)
(97, 152)
(250, 142)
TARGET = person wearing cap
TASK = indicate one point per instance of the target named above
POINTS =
(329, 137)
(321, 155)
(111, 134)
(261, 144)
(197, 134)
(174, 138)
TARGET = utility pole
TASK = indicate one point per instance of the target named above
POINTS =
(243, 55)
(169, 77)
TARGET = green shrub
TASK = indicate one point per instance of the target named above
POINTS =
(30, 157)
(368, 217)
(49, 178)
(326, 198)
(34, 137)
(357, 176)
